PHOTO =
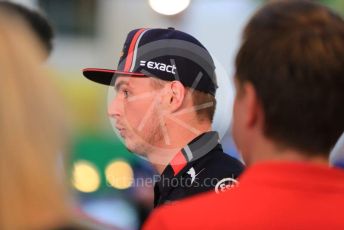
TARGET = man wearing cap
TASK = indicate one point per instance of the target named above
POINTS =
(163, 109)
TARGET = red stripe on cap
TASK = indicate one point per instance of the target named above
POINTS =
(98, 70)
(178, 163)
(129, 59)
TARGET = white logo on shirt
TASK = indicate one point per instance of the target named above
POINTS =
(226, 184)
(193, 174)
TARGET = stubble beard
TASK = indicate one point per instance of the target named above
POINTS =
(149, 138)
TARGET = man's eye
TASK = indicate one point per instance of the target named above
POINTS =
(126, 93)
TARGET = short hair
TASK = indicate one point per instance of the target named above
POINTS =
(37, 22)
(293, 55)
(205, 103)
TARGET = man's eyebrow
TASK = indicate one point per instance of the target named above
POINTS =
(119, 85)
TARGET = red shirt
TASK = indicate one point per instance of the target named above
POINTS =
(272, 195)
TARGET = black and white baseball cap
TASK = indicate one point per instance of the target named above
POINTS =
(167, 54)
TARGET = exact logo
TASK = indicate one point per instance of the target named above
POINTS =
(159, 66)
(226, 184)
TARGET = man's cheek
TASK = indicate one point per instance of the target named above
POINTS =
(134, 123)
(128, 114)
(236, 128)
(236, 140)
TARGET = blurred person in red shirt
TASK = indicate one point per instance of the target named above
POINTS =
(288, 114)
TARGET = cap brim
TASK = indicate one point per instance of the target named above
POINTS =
(106, 76)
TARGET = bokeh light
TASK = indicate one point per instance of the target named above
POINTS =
(169, 7)
(119, 174)
(85, 177)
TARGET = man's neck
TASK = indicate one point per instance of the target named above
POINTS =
(161, 157)
(267, 151)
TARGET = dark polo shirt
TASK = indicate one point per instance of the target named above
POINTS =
(199, 167)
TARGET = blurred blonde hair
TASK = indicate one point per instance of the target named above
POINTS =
(32, 195)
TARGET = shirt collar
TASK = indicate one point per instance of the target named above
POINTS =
(196, 149)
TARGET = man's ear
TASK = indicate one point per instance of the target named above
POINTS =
(176, 94)
(254, 114)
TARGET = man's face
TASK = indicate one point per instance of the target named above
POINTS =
(136, 110)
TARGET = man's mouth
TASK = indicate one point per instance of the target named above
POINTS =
(121, 130)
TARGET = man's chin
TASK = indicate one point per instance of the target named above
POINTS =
(140, 145)
(138, 153)
(134, 149)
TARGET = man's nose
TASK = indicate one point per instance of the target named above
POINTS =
(115, 108)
